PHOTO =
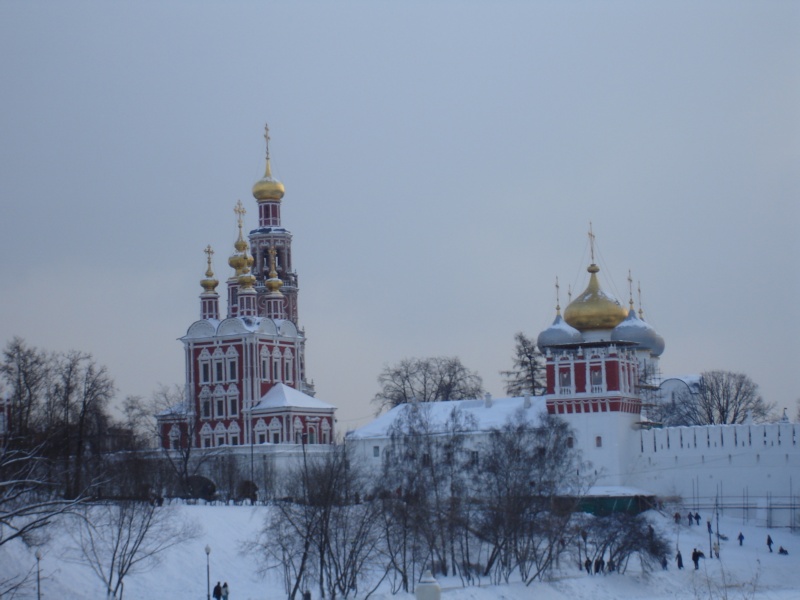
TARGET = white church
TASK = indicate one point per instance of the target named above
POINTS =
(598, 355)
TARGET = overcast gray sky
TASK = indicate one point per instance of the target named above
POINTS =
(441, 160)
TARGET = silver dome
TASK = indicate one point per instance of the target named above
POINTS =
(634, 329)
(558, 333)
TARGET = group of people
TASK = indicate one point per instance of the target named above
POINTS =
(599, 565)
(221, 591)
(781, 549)
(693, 517)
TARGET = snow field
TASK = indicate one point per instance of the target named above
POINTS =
(750, 571)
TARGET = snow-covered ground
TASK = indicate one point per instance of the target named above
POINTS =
(749, 571)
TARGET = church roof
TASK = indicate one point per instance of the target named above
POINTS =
(487, 415)
(281, 396)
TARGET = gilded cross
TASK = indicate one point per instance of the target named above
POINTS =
(558, 302)
(209, 253)
(240, 211)
(630, 288)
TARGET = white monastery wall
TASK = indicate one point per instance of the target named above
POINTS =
(752, 469)
(608, 453)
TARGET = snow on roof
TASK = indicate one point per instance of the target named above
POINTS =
(281, 396)
(487, 415)
(616, 491)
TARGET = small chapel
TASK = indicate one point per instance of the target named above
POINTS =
(246, 380)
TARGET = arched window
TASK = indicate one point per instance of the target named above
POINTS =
(598, 441)
(205, 403)
(276, 365)
(265, 375)
(288, 363)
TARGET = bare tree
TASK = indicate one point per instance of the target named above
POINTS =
(29, 499)
(529, 484)
(723, 398)
(116, 539)
(528, 373)
(181, 454)
(424, 489)
(620, 536)
(323, 532)
(83, 389)
(426, 380)
(27, 373)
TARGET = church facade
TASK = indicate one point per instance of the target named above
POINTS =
(246, 380)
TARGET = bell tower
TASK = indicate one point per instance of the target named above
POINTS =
(271, 237)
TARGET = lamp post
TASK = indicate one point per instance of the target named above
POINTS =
(208, 572)
(38, 578)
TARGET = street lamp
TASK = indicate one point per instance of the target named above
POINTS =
(208, 572)
(38, 578)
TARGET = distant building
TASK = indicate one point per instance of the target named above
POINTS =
(603, 374)
(245, 372)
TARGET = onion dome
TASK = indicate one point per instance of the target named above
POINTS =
(268, 188)
(558, 333)
(209, 284)
(241, 262)
(634, 329)
(246, 280)
(594, 308)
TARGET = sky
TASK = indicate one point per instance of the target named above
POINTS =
(442, 163)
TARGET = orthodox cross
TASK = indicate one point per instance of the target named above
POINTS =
(591, 241)
(558, 302)
(266, 137)
(630, 289)
(639, 289)
(240, 212)
(209, 253)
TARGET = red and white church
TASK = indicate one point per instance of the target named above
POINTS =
(246, 381)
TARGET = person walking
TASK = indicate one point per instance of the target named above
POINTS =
(769, 542)
(690, 516)
(588, 566)
(217, 592)
(679, 560)
(225, 591)
(740, 538)
(697, 518)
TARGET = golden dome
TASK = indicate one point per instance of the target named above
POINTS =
(594, 309)
(246, 280)
(237, 263)
(268, 188)
(209, 284)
